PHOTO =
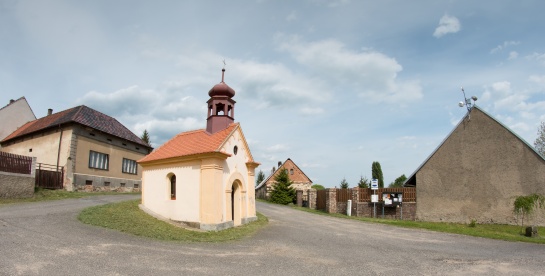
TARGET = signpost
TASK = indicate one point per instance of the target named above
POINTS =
(374, 196)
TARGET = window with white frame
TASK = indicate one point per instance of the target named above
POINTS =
(98, 160)
(129, 166)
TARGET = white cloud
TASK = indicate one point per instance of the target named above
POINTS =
(537, 57)
(540, 80)
(505, 44)
(370, 74)
(513, 55)
(447, 24)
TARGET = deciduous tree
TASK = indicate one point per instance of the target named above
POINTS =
(539, 143)
(398, 182)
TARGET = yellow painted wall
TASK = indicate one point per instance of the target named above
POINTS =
(156, 190)
(116, 155)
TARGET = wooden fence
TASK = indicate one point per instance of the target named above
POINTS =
(14, 163)
(343, 195)
(409, 194)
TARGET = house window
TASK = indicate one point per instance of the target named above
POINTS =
(106, 184)
(88, 182)
(291, 171)
(129, 166)
(173, 187)
(235, 150)
(122, 185)
(135, 186)
(98, 160)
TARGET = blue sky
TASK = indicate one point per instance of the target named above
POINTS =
(333, 85)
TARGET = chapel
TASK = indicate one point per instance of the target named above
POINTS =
(203, 178)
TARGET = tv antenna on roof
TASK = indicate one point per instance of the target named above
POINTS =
(467, 102)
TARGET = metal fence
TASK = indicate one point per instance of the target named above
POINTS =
(14, 163)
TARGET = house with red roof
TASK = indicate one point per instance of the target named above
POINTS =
(92, 150)
(203, 178)
(300, 181)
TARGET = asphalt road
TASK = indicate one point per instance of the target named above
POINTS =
(46, 239)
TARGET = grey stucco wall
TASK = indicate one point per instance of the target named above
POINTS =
(14, 185)
(477, 173)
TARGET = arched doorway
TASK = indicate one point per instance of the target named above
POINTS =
(236, 203)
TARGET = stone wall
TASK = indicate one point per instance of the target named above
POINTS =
(93, 183)
(14, 185)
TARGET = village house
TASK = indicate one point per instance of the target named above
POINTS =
(300, 180)
(14, 115)
(476, 173)
(203, 178)
(90, 150)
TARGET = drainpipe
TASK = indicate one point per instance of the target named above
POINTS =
(59, 151)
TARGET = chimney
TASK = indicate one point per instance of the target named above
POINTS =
(49, 111)
(279, 164)
(11, 101)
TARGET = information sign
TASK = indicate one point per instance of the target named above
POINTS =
(374, 184)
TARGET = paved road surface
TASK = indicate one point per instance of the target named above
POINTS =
(46, 239)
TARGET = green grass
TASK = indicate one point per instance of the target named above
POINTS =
(490, 231)
(44, 195)
(127, 217)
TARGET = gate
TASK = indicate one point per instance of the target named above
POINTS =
(49, 176)
(320, 199)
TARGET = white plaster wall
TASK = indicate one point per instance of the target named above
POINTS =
(14, 116)
(156, 191)
(237, 164)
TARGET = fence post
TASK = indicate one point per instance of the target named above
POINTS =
(312, 199)
(331, 200)
(355, 200)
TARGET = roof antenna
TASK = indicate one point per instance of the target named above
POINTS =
(467, 103)
(223, 70)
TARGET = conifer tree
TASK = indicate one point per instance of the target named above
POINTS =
(260, 177)
(377, 173)
(344, 184)
(364, 182)
(282, 193)
(145, 137)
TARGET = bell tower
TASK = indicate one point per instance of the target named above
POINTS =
(221, 106)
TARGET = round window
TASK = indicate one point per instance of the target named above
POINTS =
(235, 150)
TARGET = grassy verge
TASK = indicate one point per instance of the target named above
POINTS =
(127, 217)
(490, 231)
(44, 194)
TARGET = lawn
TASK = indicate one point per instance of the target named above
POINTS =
(490, 231)
(127, 217)
(45, 194)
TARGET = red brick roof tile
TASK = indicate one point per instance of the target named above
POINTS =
(191, 143)
(82, 115)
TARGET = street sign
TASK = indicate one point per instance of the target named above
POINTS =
(374, 198)
(374, 184)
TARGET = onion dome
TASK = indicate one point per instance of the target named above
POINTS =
(221, 89)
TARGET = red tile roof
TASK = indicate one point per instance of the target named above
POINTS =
(82, 115)
(191, 143)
